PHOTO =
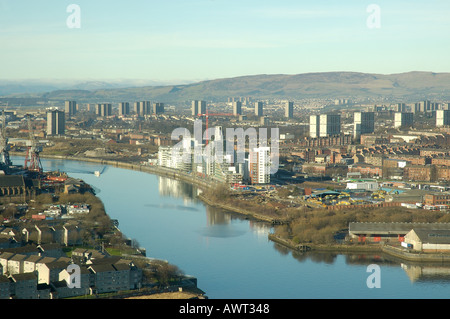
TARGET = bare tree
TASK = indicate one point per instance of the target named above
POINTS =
(166, 272)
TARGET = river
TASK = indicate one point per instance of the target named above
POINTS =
(231, 256)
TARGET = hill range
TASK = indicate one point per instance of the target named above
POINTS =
(410, 86)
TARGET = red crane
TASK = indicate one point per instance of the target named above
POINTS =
(207, 115)
(32, 159)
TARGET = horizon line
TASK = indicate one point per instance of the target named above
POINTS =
(120, 79)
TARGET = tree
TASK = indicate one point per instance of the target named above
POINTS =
(87, 237)
(10, 212)
(103, 225)
(221, 193)
(44, 199)
(166, 272)
(135, 243)
(284, 192)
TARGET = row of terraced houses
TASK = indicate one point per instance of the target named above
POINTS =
(41, 272)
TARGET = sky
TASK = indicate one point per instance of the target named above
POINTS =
(191, 40)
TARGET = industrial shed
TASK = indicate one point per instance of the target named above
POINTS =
(429, 240)
(384, 232)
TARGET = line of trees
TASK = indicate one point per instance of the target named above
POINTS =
(320, 226)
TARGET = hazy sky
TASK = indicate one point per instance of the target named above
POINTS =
(205, 39)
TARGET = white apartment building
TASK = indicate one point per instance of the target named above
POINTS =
(363, 123)
(324, 125)
(259, 165)
(403, 119)
(442, 118)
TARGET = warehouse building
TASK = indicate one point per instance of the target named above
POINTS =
(429, 240)
(390, 232)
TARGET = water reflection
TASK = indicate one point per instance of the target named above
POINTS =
(316, 257)
(416, 272)
(427, 273)
(221, 231)
(231, 237)
(170, 206)
(283, 250)
(224, 224)
(172, 188)
(216, 216)
(219, 222)
(72, 167)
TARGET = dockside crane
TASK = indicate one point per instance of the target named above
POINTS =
(5, 160)
(207, 115)
(32, 159)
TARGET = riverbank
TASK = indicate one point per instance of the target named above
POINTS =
(186, 284)
(200, 248)
(200, 182)
(203, 183)
(338, 248)
(399, 253)
(189, 293)
(244, 212)
(207, 183)
(405, 254)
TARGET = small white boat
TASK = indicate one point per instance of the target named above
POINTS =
(97, 173)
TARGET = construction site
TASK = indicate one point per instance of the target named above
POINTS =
(362, 197)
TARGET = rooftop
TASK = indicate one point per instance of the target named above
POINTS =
(101, 268)
(11, 181)
(23, 277)
(394, 228)
(433, 236)
(57, 265)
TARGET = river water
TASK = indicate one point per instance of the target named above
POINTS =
(231, 257)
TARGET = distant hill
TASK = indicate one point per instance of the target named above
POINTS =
(29, 87)
(409, 86)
